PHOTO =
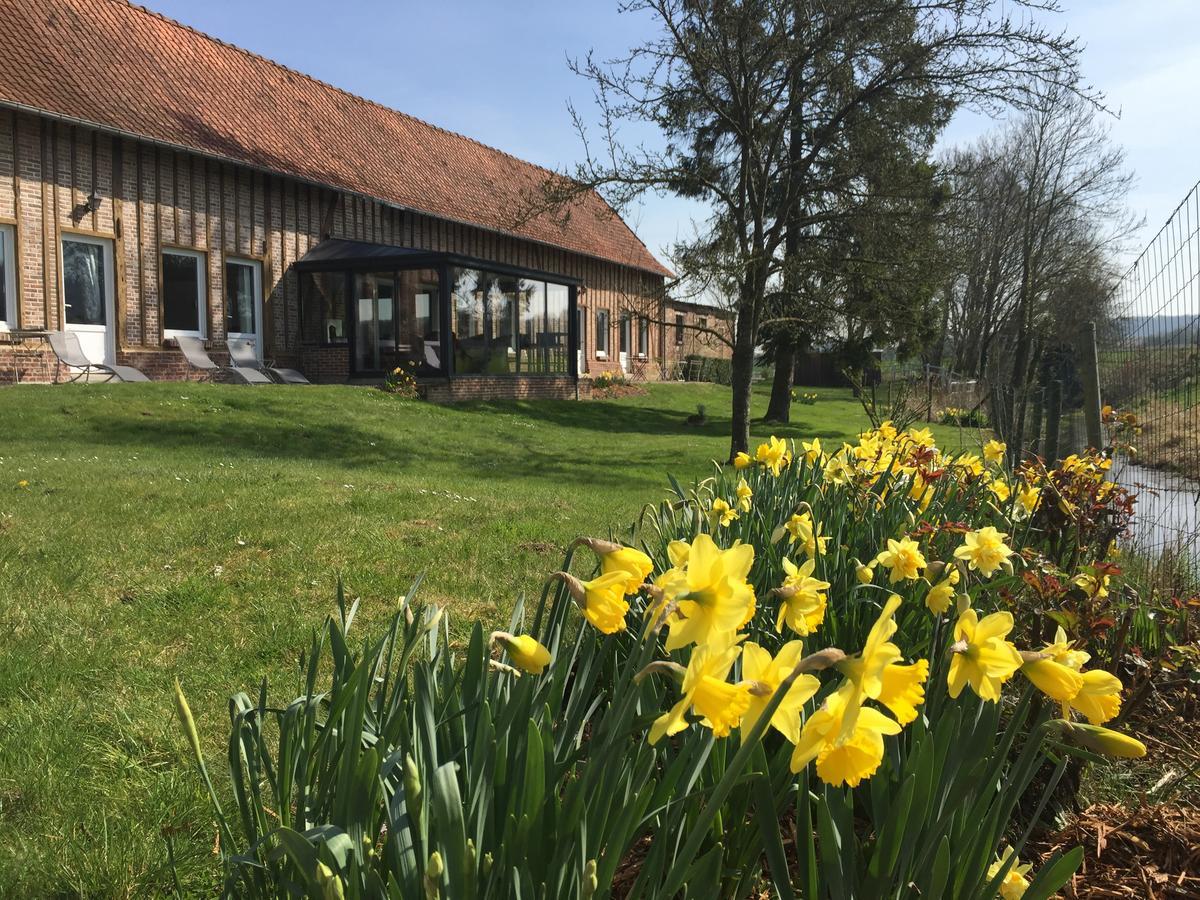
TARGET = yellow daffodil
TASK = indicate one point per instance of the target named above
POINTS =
(721, 513)
(866, 670)
(742, 461)
(710, 591)
(981, 656)
(764, 676)
(993, 451)
(1027, 498)
(1092, 583)
(939, 596)
(801, 529)
(743, 495)
(1016, 880)
(773, 455)
(1099, 697)
(878, 674)
(635, 564)
(903, 689)
(984, 550)
(602, 599)
(1000, 489)
(524, 650)
(843, 758)
(802, 598)
(708, 694)
(1096, 694)
(1056, 681)
(922, 437)
(1064, 652)
(812, 452)
(968, 463)
(864, 574)
(903, 559)
(837, 471)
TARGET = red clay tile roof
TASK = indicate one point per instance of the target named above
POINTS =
(120, 66)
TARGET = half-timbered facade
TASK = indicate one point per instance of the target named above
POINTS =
(155, 183)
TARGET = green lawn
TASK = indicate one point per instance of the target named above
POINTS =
(198, 531)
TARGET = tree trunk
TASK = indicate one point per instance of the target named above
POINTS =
(780, 407)
(743, 376)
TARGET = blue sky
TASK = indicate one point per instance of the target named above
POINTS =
(497, 71)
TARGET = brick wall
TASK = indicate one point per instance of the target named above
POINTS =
(485, 387)
(698, 339)
(153, 198)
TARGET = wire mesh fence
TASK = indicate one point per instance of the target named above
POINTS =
(1149, 363)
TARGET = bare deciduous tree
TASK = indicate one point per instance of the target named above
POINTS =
(724, 82)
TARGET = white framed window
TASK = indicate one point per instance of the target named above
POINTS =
(183, 307)
(8, 279)
(643, 343)
(243, 301)
(602, 329)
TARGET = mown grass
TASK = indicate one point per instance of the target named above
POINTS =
(198, 531)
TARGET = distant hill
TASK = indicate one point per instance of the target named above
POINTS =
(1175, 331)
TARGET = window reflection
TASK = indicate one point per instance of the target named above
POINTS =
(507, 325)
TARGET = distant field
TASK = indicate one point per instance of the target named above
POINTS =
(198, 531)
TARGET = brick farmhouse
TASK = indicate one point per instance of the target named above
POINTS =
(156, 182)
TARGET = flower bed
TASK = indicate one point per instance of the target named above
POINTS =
(837, 674)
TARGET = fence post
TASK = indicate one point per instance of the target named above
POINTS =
(1089, 374)
(1053, 421)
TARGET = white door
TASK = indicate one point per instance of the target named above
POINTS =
(88, 291)
(243, 302)
(623, 352)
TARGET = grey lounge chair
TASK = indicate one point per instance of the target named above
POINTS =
(69, 353)
(243, 357)
(198, 358)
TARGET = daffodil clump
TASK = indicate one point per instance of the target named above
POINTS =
(871, 651)
(769, 584)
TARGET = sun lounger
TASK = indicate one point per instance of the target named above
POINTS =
(198, 358)
(69, 353)
(244, 358)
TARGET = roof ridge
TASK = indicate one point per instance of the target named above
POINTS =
(359, 98)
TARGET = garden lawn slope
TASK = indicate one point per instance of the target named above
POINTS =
(197, 531)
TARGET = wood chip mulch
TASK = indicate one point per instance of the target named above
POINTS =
(1150, 852)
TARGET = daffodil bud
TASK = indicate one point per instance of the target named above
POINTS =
(963, 603)
(187, 721)
(471, 854)
(1101, 739)
(864, 574)
(433, 876)
(590, 881)
(487, 863)
(819, 661)
(666, 667)
(329, 882)
(934, 570)
(524, 650)
(412, 787)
